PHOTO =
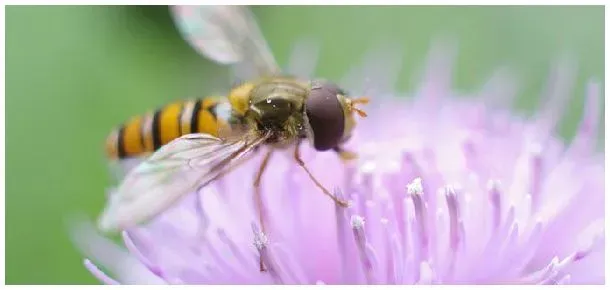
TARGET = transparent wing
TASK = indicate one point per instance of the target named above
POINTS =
(119, 168)
(228, 35)
(176, 169)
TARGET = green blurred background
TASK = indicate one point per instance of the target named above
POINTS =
(72, 73)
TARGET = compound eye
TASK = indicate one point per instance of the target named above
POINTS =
(325, 115)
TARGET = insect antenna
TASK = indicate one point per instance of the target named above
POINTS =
(362, 100)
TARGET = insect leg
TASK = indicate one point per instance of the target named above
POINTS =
(258, 200)
(297, 157)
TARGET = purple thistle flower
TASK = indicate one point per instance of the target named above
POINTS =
(447, 190)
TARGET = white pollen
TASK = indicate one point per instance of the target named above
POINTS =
(415, 187)
(260, 240)
(357, 221)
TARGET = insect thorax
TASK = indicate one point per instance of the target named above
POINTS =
(276, 106)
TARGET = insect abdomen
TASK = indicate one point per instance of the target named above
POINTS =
(145, 134)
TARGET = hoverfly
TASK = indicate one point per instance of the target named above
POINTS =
(187, 145)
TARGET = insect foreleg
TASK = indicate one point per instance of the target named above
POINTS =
(297, 158)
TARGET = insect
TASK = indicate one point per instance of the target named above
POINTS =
(187, 145)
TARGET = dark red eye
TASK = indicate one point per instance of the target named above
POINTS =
(325, 115)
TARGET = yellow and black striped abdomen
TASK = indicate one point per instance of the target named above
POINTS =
(145, 134)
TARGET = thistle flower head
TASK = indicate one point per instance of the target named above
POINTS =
(446, 190)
